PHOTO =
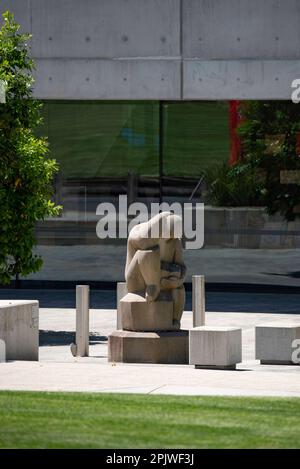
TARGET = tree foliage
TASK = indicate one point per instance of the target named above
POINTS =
(26, 172)
(270, 138)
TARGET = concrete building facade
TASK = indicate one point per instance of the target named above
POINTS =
(135, 99)
(162, 49)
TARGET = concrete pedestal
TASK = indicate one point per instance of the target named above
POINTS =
(19, 329)
(148, 347)
(277, 344)
(215, 347)
(137, 314)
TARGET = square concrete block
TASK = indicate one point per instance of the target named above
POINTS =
(137, 314)
(149, 347)
(215, 347)
(2, 351)
(274, 343)
(19, 329)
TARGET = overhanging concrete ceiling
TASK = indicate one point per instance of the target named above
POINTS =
(162, 49)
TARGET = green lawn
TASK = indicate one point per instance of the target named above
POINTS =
(79, 420)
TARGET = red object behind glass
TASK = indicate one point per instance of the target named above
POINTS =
(235, 142)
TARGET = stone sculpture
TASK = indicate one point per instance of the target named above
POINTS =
(151, 310)
(155, 268)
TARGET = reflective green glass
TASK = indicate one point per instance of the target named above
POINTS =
(102, 139)
(196, 136)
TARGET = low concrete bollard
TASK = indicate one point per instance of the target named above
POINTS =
(121, 292)
(198, 300)
(81, 347)
(277, 344)
(215, 347)
(2, 351)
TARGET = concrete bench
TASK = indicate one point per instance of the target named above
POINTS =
(19, 329)
(215, 347)
(275, 344)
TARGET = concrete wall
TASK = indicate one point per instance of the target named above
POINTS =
(162, 49)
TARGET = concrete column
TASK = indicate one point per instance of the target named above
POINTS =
(121, 292)
(82, 320)
(198, 300)
(2, 351)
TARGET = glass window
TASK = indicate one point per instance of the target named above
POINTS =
(103, 139)
(196, 137)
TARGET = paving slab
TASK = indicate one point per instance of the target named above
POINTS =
(58, 370)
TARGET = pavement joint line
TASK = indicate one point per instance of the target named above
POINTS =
(155, 389)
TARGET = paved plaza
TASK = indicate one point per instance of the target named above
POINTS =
(58, 370)
(248, 266)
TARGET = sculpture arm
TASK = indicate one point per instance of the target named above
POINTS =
(131, 250)
(170, 283)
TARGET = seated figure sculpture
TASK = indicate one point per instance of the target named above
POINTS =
(154, 264)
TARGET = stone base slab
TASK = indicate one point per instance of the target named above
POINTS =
(149, 347)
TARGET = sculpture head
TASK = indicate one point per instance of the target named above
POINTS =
(166, 225)
(172, 226)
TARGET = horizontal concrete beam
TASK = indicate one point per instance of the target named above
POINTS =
(107, 79)
(239, 79)
(161, 79)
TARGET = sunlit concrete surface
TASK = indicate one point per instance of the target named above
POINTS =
(58, 370)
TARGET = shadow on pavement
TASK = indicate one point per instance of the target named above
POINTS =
(49, 338)
(226, 301)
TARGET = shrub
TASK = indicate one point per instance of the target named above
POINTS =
(26, 173)
(234, 186)
(270, 137)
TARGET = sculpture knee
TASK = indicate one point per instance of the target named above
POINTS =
(143, 273)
